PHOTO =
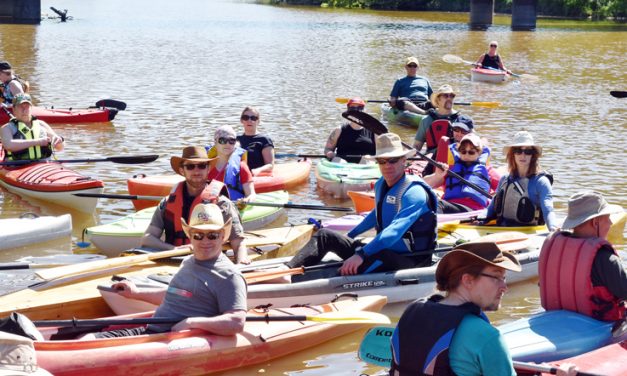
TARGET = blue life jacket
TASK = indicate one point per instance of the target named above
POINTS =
(232, 175)
(483, 158)
(476, 173)
(421, 340)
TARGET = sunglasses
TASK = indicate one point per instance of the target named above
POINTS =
(459, 130)
(519, 151)
(192, 166)
(225, 140)
(493, 45)
(469, 152)
(383, 161)
(208, 235)
(412, 66)
(447, 95)
(356, 108)
(251, 117)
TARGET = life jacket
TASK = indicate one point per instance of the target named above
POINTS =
(422, 234)
(439, 127)
(232, 173)
(476, 173)
(6, 90)
(355, 142)
(514, 207)
(448, 153)
(491, 61)
(565, 278)
(421, 340)
(23, 132)
(173, 212)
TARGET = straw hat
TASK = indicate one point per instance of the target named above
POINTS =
(207, 217)
(523, 138)
(196, 154)
(584, 206)
(487, 253)
(389, 145)
(17, 356)
(444, 89)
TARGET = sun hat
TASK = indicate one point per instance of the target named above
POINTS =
(487, 253)
(412, 59)
(473, 139)
(4, 65)
(389, 145)
(444, 89)
(22, 98)
(196, 154)
(523, 138)
(584, 206)
(17, 356)
(224, 131)
(464, 122)
(207, 217)
(356, 102)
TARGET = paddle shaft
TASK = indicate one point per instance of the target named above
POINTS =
(524, 366)
(300, 206)
(289, 155)
(478, 104)
(130, 159)
(618, 94)
(119, 197)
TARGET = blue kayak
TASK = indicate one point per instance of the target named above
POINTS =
(554, 335)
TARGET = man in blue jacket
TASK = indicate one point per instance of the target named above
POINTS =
(404, 218)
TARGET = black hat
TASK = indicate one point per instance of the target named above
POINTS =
(464, 122)
(4, 65)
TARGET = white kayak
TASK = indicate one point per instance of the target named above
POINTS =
(19, 232)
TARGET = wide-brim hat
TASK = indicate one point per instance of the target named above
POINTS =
(207, 217)
(584, 206)
(389, 145)
(18, 357)
(487, 253)
(196, 154)
(444, 89)
(523, 138)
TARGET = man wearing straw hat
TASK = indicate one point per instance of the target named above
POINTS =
(206, 293)
(580, 270)
(193, 165)
(404, 218)
(449, 334)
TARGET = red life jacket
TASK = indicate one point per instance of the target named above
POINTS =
(438, 128)
(565, 278)
(173, 213)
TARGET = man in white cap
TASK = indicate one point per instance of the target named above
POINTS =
(404, 218)
(193, 165)
(412, 92)
(580, 270)
(206, 293)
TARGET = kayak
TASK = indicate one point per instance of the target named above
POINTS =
(488, 75)
(53, 182)
(604, 361)
(30, 229)
(362, 201)
(126, 233)
(317, 286)
(284, 176)
(69, 116)
(339, 178)
(398, 117)
(553, 335)
(197, 352)
(452, 232)
(348, 222)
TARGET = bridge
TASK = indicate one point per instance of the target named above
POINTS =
(481, 13)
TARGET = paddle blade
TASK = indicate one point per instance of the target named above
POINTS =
(111, 103)
(342, 100)
(356, 317)
(375, 347)
(134, 159)
(365, 120)
(452, 59)
(486, 104)
(618, 94)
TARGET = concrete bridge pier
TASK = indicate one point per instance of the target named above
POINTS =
(524, 14)
(481, 12)
(20, 11)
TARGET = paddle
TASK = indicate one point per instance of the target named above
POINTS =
(119, 197)
(289, 155)
(101, 265)
(111, 103)
(356, 317)
(477, 104)
(375, 349)
(125, 159)
(618, 94)
(376, 127)
(456, 60)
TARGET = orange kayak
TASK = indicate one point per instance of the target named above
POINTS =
(196, 352)
(284, 176)
(362, 201)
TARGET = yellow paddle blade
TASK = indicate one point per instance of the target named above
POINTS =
(486, 104)
(342, 100)
(356, 317)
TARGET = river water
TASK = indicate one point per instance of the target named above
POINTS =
(187, 67)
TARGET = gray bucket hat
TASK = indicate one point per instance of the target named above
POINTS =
(584, 206)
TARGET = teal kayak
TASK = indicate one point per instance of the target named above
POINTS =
(339, 178)
(126, 233)
(398, 117)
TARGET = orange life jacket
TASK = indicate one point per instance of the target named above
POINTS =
(565, 278)
(173, 212)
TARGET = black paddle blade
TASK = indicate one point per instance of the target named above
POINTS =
(111, 103)
(365, 120)
(618, 94)
(134, 159)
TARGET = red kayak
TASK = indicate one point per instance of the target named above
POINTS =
(104, 111)
(609, 360)
(284, 176)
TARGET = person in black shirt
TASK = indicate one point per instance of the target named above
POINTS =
(492, 59)
(350, 141)
(259, 146)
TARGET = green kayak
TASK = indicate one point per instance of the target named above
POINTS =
(339, 178)
(126, 233)
(406, 118)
